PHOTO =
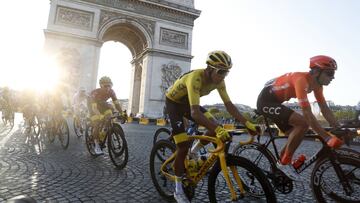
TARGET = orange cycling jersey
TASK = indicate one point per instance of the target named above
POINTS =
(295, 85)
(191, 87)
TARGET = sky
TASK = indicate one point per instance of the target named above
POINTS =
(265, 38)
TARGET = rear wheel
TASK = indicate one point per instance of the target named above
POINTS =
(89, 141)
(252, 178)
(117, 146)
(64, 133)
(161, 151)
(326, 184)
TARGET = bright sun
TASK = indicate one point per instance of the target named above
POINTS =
(39, 74)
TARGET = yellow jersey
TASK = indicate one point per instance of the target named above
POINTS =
(190, 86)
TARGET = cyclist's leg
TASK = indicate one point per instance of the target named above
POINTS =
(296, 135)
(176, 113)
(200, 144)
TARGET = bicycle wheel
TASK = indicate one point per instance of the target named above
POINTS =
(89, 141)
(64, 133)
(77, 126)
(161, 151)
(326, 184)
(117, 147)
(252, 177)
(162, 134)
(49, 131)
(264, 159)
(36, 126)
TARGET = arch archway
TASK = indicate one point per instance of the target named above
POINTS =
(157, 33)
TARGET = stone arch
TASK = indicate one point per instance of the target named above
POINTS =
(158, 33)
(127, 31)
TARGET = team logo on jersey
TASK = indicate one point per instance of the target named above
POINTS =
(271, 110)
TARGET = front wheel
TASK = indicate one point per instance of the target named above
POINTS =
(160, 152)
(326, 184)
(64, 133)
(162, 134)
(117, 146)
(252, 178)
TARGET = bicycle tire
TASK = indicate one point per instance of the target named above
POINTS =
(243, 163)
(116, 140)
(159, 180)
(318, 185)
(89, 142)
(64, 136)
(49, 131)
(267, 163)
(161, 134)
(76, 127)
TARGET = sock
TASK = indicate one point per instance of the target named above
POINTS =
(197, 146)
(178, 185)
(286, 158)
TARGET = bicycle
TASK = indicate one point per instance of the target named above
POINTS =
(164, 133)
(80, 121)
(114, 136)
(56, 125)
(244, 173)
(329, 163)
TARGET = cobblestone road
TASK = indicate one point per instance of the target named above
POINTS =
(46, 172)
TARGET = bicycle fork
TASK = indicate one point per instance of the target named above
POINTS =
(227, 177)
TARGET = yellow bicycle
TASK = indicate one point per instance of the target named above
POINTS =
(230, 178)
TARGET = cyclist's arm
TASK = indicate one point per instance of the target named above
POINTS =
(200, 118)
(231, 108)
(328, 114)
(311, 120)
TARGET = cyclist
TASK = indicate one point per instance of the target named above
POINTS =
(183, 100)
(100, 109)
(79, 100)
(298, 85)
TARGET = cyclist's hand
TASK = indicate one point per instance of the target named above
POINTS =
(222, 134)
(335, 142)
(252, 128)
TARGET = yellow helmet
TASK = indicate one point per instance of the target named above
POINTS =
(105, 80)
(219, 59)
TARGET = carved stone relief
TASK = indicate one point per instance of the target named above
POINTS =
(106, 16)
(143, 8)
(169, 73)
(173, 38)
(74, 18)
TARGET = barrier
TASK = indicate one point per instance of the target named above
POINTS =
(144, 121)
(161, 122)
(129, 119)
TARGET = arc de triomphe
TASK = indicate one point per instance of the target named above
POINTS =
(158, 33)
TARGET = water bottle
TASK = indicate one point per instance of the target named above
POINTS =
(299, 161)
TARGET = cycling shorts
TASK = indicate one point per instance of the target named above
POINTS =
(103, 107)
(177, 111)
(270, 107)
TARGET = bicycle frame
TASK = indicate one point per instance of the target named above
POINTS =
(219, 152)
(324, 151)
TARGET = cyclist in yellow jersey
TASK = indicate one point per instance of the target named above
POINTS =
(183, 100)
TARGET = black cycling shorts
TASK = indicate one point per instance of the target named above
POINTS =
(102, 106)
(176, 112)
(270, 107)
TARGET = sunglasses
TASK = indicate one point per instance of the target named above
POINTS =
(330, 73)
(219, 71)
(106, 86)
